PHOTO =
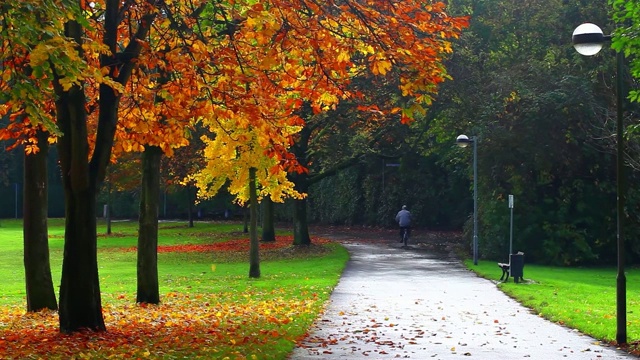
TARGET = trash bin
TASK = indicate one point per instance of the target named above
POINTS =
(516, 268)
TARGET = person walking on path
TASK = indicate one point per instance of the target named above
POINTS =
(403, 218)
(392, 304)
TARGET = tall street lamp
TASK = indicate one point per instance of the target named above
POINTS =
(588, 40)
(463, 141)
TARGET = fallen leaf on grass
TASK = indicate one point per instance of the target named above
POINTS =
(235, 245)
(193, 326)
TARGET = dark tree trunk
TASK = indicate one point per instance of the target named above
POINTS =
(190, 206)
(254, 250)
(108, 208)
(80, 303)
(268, 227)
(40, 291)
(148, 288)
(301, 181)
(245, 219)
(300, 223)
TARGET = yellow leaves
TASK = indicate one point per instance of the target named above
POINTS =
(380, 66)
(123, 146)
(40, 54)
(344, 56)
(367, 50)
(228, 158)
(253, 22)
(68, 82)
(327, 101)
(31, 149)
(166, 22)
(330, 23)
(446, 47)
(7, 74)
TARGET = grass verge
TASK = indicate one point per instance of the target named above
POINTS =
(210, 308)
(580, 298)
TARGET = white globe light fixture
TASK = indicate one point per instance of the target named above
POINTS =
(463, 140)
(588, 39)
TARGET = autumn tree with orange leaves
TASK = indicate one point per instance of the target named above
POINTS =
(30, 30)
(86, 79)
(134, 73)
(298, 58)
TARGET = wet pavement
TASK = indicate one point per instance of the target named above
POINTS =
(394, 303)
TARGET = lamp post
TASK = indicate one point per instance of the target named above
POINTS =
(588, 40)
(463, 141)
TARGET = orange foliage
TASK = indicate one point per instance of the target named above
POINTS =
(244, 69)
(194, 326)
(284, 54)
(202, 326)
(239, 245)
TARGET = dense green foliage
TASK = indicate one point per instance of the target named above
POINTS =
(373, 192)
(543, 114)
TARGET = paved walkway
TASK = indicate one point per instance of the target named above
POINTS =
(401, 303)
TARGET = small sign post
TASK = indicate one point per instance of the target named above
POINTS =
(384, 164)
(511, 225)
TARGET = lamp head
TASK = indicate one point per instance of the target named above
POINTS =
(588, 39)
(463, 140)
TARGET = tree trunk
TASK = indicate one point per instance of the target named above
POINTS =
(109, 208)
(40, 291)
(300, 223)
(268, 227)
(148, 288)
(189, 206)
(245, 219)
(80, 303)
(254, 250)
(301, 181)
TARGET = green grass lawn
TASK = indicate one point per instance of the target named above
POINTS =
(210, 307)
(581, 298)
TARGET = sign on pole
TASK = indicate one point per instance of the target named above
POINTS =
(511, 225)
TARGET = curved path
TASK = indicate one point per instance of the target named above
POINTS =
(396, 303)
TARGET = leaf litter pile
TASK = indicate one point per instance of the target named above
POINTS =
(223, 325)
(236, 250)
